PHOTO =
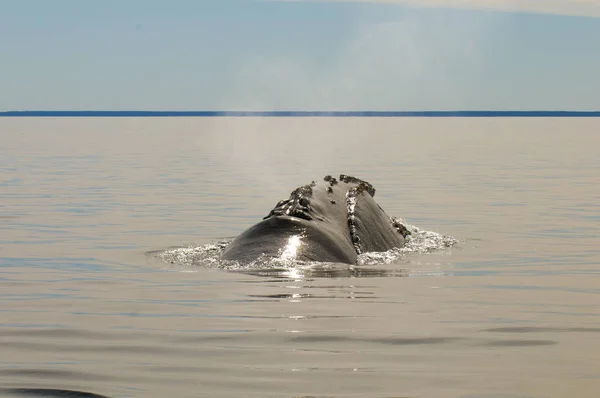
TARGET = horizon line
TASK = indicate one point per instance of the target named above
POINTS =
(292, 113)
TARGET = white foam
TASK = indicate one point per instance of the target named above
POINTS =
(418, 242)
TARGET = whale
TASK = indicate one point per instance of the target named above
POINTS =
(332, 221)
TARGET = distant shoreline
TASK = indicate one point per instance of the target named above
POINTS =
(300, 114)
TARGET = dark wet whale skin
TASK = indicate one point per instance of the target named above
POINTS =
(336, 219)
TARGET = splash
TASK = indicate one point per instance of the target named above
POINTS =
(417, 241)
(207, 256)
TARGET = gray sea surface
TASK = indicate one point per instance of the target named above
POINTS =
(88, 305)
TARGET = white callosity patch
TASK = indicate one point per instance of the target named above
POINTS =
(350, 206)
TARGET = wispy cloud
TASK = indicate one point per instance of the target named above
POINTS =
(418, 59)
(409, 62)
(560, 7)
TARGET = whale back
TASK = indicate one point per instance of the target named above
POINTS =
(331, 221)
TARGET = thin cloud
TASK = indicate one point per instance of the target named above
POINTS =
(589, 8)
(400, 63)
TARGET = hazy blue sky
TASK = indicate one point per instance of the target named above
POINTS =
(263, 55)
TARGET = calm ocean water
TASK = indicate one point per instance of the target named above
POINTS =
(511, 311)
